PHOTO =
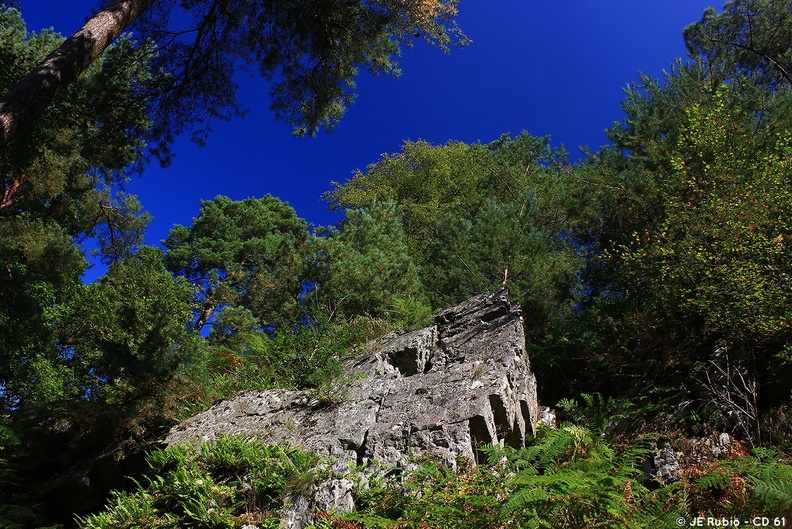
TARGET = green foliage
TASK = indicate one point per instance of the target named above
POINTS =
(365, 263)
(503, 245)
(16, 508)
(478, 216)
(411, 313)
(126, 333)
(62, 185)
(32, 285)
(433, 496)
(720, 251)
(425, 180)
(249, 253)
(685, 229)
(596, 412)
(749, 37)
(311, 53)
(307, 357)
(571, 478)
(71, 165)
(705, 265)
(108, 350)
(63, 191)
(757, 483)
(428, 181)
(224, 484)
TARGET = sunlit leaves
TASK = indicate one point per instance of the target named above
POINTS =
(228, 483)
(250, 253)
(479, 217)
(311, 52)
(722, 249)
(750, 37)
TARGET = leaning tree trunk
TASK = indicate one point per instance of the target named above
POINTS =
(33, 94)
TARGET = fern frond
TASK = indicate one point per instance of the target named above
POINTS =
(773, 491)
(717, 479)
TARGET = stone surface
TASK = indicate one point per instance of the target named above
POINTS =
(670, 459)
(444, 391)
(547, 417)
(663, 465)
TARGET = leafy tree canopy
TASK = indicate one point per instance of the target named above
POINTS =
(121, 336)
(249, 253)
(749, 37)
(685, 224)
(365, 264)
(477, 217)
(70, 165)
(311, 51)
(62, 186)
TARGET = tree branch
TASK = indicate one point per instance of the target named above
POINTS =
(769, 59)
(37, 90)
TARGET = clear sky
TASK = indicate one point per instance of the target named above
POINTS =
(553, 68)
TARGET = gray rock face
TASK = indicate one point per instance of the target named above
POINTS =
(445, 391)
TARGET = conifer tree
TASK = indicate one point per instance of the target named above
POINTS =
(62, 187)
(249, 253)
(312, 50)
(365, 264)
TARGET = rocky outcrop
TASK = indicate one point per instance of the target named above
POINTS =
(672, 459)
(445, 390)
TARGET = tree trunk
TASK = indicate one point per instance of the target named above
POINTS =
(203, 319)
(33, 94)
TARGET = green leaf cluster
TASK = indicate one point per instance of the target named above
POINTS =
(225, 484)
(756, 483)
(684, 230)
(478, 217)
(365, 263)
(61, 187)
(720, 249)
(249, 253)
(17, 508)
(310, 52)
(238, 356)
(123, 335)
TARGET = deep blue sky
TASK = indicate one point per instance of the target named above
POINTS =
(553, 68)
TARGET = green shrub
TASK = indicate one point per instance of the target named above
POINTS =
(225, 484)
(308, 357)
(18, 507)
(571, 478)
(411, 313)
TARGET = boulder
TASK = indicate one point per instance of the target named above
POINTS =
(443, 391)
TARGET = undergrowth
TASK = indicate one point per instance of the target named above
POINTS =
(226, 484)
(755, 484)
(577, 475)
(566, 478)
(307, 358)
